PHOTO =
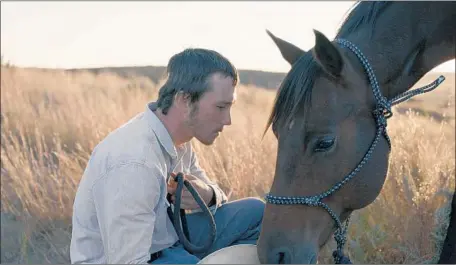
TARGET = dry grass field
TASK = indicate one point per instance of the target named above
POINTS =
(51, 120)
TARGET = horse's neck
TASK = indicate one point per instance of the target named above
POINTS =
(407, 45)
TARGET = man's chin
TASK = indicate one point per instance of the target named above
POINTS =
(207, 141)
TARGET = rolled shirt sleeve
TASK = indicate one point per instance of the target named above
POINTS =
(125, 200)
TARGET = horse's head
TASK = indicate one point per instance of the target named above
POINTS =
(330, 116)
(323, 120)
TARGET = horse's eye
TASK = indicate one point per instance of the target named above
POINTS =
(324, 144)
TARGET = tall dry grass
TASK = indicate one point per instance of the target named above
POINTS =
(51, 120)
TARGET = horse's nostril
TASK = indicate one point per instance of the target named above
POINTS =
(281, 258)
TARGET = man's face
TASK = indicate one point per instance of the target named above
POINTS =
(212, 112)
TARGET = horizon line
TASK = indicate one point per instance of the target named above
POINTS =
(164, 66)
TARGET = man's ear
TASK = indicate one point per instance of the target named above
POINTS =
(181, 97)
(181, 100)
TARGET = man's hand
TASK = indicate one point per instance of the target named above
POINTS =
(187, 200)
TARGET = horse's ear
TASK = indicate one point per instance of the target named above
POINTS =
(289, 52)
(327, 55)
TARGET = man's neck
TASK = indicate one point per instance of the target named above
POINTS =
(175, 127)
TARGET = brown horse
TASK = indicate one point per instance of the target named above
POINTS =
(330, 119)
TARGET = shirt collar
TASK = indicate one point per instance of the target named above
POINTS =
(160, 130)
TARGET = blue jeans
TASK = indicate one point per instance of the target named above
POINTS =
(238, 222)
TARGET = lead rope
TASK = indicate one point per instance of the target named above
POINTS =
(180, 213)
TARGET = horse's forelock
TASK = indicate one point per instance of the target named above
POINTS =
(295, 91)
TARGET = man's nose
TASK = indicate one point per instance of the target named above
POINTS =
(227, 119)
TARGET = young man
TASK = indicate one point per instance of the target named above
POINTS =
(120, 209)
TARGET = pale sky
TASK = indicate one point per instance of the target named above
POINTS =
(97, 34)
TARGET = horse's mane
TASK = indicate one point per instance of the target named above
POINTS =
(296, 89)
(363, 13)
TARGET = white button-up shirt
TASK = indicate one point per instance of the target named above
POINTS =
(119, 212)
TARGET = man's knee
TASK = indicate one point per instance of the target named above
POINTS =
(255, 204)
(240, 221)
(252, 207)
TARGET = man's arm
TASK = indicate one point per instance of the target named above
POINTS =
(125, 199)
(219, 195)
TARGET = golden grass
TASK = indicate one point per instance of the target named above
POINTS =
(51, 120)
